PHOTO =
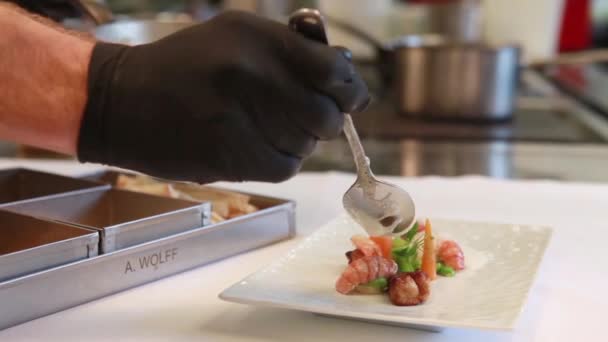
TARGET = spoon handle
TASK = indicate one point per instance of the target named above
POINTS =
(361, 161)
(309, 23)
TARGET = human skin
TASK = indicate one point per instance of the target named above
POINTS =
(43, 81)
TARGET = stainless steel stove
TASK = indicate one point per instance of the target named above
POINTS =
(552, 135)
(586, 82)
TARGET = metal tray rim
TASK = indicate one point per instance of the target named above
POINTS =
(128, 172)
(87, 239)
(57, 195)
(95, 186)
(201, 207)
(253, 195)
(127, 226)
(289, 205)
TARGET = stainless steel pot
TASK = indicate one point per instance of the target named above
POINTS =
(136, 32)
(129, 31)
(458, 81)
(436, 76)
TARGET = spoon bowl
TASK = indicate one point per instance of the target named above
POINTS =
(379, 207)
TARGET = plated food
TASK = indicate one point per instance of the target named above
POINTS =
(402, 266)
(225, 204)
(500, 260)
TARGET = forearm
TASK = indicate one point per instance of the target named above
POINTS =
(43, 81)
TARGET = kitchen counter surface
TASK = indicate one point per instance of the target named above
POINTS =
(496, 159)
(566, 302)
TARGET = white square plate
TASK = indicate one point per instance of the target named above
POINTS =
(501, 264)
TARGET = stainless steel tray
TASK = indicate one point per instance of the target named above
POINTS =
(29, 245)
(111, 177)
(18, 185)
(123, 218)
(57, 289)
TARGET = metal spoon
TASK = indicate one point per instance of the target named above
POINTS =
(380, 208)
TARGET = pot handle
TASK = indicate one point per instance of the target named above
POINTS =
(355, 32)
(94, 10)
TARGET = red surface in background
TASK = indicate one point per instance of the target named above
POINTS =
(430, 1)
(576, 26)
(575, 31)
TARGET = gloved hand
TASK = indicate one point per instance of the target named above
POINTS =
(236, 98)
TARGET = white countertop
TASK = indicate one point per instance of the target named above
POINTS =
(567, 302)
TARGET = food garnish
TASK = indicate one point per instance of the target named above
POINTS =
(403, 267)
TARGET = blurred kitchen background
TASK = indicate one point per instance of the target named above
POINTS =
(503, 88)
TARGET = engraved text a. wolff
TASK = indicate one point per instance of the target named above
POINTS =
(151, 260)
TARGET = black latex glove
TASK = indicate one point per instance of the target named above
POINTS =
(236, 98)
(53, 9)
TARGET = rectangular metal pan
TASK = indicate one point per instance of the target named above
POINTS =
(54, 290)
(29, 245)
(18, 185)
(123, 218)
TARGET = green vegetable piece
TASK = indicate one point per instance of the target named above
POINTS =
(412, 251)
(445, 270)
(379, 283)
(408, 251)
(417, 264)
(405, 264)
(411, 233)
(376, 286)
(399, 243)
(400, 252)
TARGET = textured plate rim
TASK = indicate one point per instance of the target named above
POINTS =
(371, 318)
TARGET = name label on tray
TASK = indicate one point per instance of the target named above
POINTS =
(153, 260)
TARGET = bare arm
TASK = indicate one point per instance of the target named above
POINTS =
(43, 81)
